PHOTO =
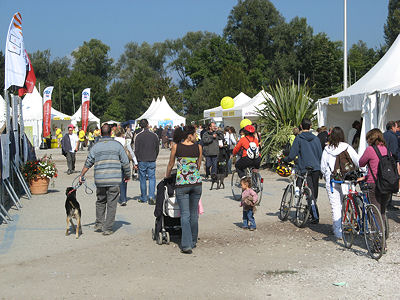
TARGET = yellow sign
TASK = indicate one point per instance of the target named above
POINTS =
(333, 100)
(212, 114)
(231, 113)
(225, 113)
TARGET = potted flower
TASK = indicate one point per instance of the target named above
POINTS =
(38, 174)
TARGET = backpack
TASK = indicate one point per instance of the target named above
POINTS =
(252, 152)
(343, 165)
(387, 180)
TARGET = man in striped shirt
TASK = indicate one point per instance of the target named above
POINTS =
(108, 157)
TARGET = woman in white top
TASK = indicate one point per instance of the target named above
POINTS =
(335, 146)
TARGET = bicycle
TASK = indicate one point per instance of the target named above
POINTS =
(303, 203)
(256, 183)
(367, 222)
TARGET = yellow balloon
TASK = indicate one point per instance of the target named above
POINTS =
(227, 102)
(244, 123)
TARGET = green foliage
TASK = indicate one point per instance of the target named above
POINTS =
(392, 26)
(361, 60)
(290, 106)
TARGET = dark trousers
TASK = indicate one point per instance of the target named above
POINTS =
(246, 162)
(71, 161)
(378, 199)
(211, 162)
(107, 198)
(312, 182)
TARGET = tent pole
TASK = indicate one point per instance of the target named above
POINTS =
(345, 47)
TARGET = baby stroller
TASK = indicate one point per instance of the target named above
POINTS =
(167, 212)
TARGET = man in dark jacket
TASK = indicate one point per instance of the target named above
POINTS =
(210, 142)
(147, 146)
(392, 145)
(308, 149)
(69, 144)
(322, 136)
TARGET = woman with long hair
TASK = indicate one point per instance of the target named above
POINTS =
(370, 158)
(188, 155)
(335, 147)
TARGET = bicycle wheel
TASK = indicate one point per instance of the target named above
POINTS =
(374, 232)
(236, 187)
(386, 227)
(257, 185)
(303, 207)
(286, 203)
(348, 222)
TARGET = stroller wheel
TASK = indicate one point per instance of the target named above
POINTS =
(159, 240)
(167, 239)
(153, 236)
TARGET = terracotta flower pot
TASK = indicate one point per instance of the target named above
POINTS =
(39, 185)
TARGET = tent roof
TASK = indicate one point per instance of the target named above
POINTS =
(249, 108)
(239, 100)
(57, 115)
(78, 115)
(385, 75)
(164, 112)
(32, 106)
(149, 109)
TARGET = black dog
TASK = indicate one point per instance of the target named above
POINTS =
(73, 211)
(218, 179)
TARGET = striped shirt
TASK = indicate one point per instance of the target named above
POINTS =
(108, 157)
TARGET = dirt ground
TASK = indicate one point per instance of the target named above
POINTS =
(278, 261)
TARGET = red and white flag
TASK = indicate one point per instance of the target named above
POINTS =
(85, 108)
(30, 80)
(47, 111)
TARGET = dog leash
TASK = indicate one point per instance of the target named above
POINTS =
(76, 185)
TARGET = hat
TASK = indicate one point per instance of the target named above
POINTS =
(250, 128)
(71, 126)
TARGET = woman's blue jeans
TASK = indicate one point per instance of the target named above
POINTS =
(188, 199)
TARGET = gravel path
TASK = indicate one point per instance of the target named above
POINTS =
(278, 261)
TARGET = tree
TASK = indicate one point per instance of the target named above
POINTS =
(361, 60)
(392, 26)
(325, 66)
(92, 58)
(252, 26)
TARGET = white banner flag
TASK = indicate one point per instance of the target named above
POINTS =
(15, 65)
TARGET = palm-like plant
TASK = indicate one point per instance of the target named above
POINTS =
(290, 105)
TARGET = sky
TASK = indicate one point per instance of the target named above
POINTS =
(63, 26)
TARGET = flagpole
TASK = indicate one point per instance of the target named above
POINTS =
(43, 145)
(345, 47)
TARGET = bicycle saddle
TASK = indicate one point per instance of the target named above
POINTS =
(309, 168)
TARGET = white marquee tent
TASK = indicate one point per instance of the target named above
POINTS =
(375, 98)
(78, 116)
(248, 110)
(32, 106)
(160, 113)
(218, 112)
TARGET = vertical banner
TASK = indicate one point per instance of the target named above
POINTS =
(15, 61)
(47, 111)
(85, 108)
(14, 103)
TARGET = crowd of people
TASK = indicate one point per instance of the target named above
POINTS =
(316, 153)
(116, 153)
(328, 151)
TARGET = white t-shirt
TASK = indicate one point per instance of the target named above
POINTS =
(73, 138)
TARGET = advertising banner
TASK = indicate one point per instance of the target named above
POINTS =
(85, 108)
(47, 111)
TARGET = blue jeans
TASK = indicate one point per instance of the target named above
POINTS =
(147, 168)
(188, 199)
(123, 189)
(211, 161)
(248, 216)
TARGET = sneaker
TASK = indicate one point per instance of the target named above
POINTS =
(142, 201)
(152, 201)
(69, 172)
(243, 227)
(108, 232)
(123, 203)
(186, 251)
(252, 228)
(98, 228)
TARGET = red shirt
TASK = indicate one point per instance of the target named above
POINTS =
(244, 143)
